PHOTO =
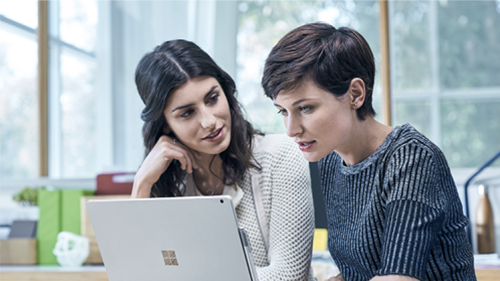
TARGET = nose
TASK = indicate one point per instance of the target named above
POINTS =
(207, 118)
(293, 126)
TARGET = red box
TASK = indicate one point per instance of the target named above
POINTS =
(114, 184)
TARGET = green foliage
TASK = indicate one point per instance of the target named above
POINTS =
(28, 196)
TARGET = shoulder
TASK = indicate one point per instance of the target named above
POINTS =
(273, 144)
(408, 143)
(278, 151)
(417, 169)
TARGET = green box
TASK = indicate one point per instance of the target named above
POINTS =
(70, 209)
(59, 211)
(49, 224)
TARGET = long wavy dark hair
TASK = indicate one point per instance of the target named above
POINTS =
(161, 72)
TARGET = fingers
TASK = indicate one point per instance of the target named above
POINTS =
(182, 157)
(193, 155)
(182, 153)
(160, 157)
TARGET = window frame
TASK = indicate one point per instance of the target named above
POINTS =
(50, 49)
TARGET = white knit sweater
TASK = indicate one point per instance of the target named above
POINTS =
(275, 207)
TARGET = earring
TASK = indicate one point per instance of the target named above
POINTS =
(166, 130)
(356, 104)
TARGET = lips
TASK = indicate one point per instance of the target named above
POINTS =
(303, 142)
(305, 145)
(214, 135)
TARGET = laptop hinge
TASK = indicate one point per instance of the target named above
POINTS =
(247, 249)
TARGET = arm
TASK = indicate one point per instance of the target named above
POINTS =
(414, 213)
(157, 161)
(291, 224)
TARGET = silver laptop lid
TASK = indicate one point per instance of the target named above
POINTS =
(180, 238)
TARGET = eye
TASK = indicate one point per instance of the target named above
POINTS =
(282, 112)
(305, 109)
(186, 113)
(213, 98)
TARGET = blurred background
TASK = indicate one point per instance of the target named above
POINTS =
(79, 115)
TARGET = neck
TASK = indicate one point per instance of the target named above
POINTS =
(208, 177)
(365, 137)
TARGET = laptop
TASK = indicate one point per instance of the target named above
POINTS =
(175, 238)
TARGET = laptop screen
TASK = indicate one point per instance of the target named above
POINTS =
(176, 238)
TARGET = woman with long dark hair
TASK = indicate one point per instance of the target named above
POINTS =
(198, 143)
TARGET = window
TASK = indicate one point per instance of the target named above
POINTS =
(18, 89)
(443, 71)
(94, 123)
(443, 62)
(444, 66)
(72, 89)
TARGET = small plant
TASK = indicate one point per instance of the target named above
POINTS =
(27, 196)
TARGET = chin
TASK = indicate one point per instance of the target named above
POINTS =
(224, 146)
(313, 156)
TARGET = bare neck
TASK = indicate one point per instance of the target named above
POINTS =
(365, 137)
(208, 177)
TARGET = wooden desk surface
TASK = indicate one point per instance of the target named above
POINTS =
(56, 276)
(99, 275)
(488, 274)
(56, 273)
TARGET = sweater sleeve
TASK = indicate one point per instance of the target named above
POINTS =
(414, 212)
(291, 216)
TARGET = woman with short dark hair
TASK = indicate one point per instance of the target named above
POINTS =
(392, 205)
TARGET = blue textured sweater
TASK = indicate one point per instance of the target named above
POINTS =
(396, 212)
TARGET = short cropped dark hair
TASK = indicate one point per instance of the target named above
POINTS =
(328, 56)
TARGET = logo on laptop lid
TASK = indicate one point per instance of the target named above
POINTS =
(169, 258)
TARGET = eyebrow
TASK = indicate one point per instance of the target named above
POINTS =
(191, 104)
(295, 103)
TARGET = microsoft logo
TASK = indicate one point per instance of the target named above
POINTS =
(169, 257)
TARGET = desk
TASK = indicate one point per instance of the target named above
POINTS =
(488, 274)
(487, 266)
(98, 273)
(56, 273)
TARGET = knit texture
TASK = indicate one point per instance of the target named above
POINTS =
(288, 210)
(396, 212)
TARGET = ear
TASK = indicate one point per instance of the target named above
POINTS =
(166, 129)
(357, 92)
